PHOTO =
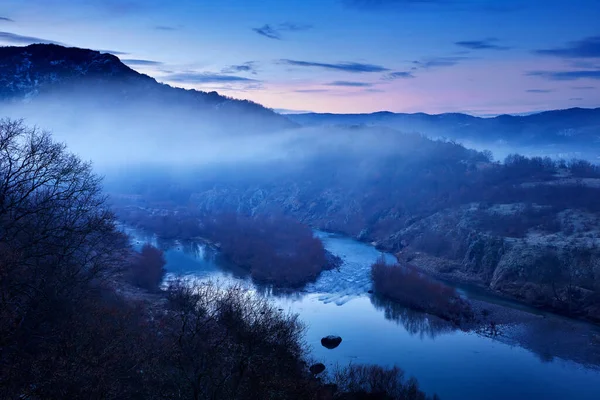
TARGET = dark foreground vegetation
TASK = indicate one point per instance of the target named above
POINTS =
(409, 287)
(73, 327)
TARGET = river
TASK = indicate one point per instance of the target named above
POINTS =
(452, 363)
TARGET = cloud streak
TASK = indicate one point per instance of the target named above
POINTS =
(114, 52)
(311, 91)
(585, 48)
(485, 44)
(402, 4)
(398, 75)
(141, 63)
(14, 38)
(6, 19)
(566, 75)
(434, 62)
(165, 28)
(249, 66)
(539, 91)
(276, 31)
(432, 5)
(349, 84)
(268, 31)
(342, 66)
(205, 77)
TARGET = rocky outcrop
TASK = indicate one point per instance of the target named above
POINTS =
(331, 341)
(317, 368)
(559, 270)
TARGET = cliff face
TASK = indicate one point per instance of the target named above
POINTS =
(556, 267)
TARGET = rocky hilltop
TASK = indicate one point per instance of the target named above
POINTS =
(48, 78)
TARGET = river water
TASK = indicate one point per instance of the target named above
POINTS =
(452, 363)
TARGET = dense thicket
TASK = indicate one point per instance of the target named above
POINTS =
(277, 250)
(411, 288)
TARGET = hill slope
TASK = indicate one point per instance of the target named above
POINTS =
(76, 78)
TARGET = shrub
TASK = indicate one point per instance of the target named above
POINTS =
(376, 382)
(147, 270)
(277, 250)
(409, 287)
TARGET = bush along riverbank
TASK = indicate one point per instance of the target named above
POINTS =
(406, 285)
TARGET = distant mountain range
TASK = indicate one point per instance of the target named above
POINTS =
(74, 77)
(574, 125)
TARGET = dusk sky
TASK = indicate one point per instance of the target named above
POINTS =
(476, 56)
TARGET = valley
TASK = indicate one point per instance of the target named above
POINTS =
(213, 243)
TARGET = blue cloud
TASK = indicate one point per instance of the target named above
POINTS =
(583, 87)
(249, 66)
(584, 48)
(343, 66)
(311, 91)
(114, 52)
(14, 38)
(291, 27)
(379, 4)
(398, 75)
(566, 75)
(268, 31)
(433, 5)
(276, 31)
(141, 63)
(433, 62)
(165, 28)
(539, 91)
(349, 84)
(6, 19)
(485, 44)
(205, 77)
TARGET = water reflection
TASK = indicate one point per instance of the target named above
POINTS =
(415, 323)
(281, 293)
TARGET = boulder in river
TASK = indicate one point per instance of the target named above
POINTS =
(331, 342)
(317, 368)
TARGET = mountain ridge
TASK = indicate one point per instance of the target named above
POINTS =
(572, 125)
(40, 71)
(423, 113)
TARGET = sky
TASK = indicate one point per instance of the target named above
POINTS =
(483, 57)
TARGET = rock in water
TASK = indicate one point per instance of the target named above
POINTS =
(317, 368)
(331, 342)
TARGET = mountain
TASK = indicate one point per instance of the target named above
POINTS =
(571, 126)
(75, 78)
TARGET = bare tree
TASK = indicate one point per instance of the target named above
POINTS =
(56, 235)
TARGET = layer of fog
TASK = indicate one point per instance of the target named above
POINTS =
(118, 132)
(501, 149)
(135, 134)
